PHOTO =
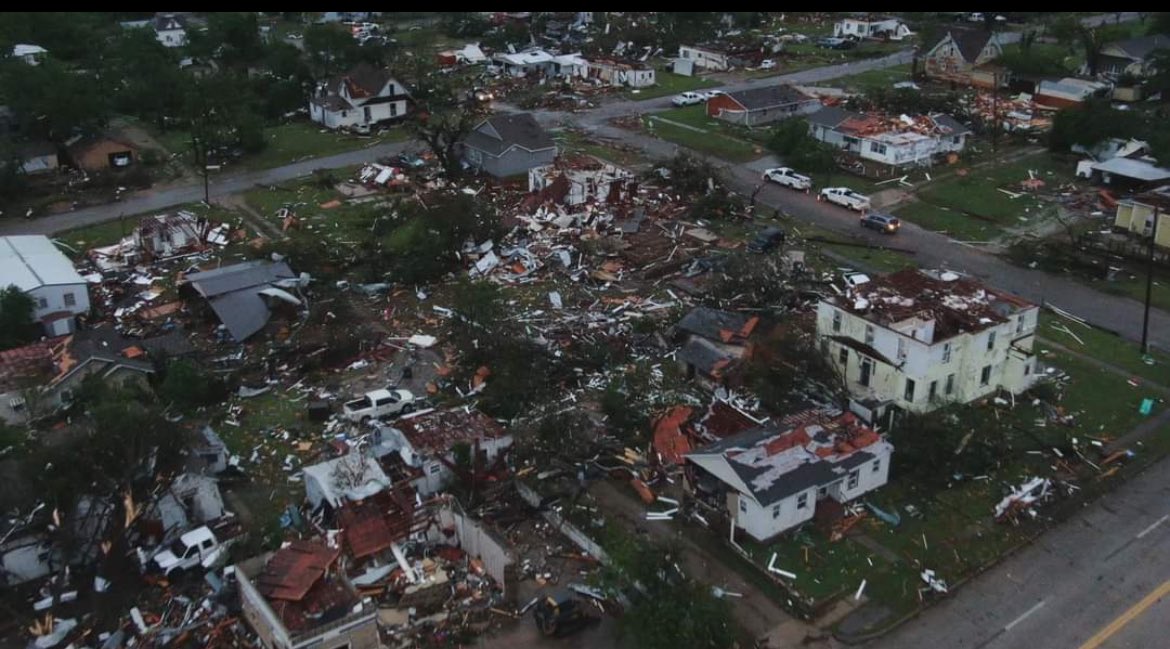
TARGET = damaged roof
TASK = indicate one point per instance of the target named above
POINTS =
(497, 134)
(719, 326)
(236, 293)
(293, 570)
(770, 464)
(956, 304)
(705, 356)
(32, 261)
(437, 430)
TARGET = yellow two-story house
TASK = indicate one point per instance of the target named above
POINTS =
(921, 339)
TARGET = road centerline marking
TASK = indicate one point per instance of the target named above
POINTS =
(1129, 616)
(1024, 615)
(1153, 526)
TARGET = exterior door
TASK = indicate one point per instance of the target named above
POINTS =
(866, 371)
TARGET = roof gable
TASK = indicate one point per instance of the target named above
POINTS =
(498, 134)
(761, 98)
(968, 42)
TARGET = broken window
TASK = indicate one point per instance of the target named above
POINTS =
(394, 109)
(909, 394)
(854, 478)
(868, 335)
(946, 353)
(776, 510)
(991, 341)
(367, 116)
(843, 355)
(932, 391)
(836, 321)
(876, 467)
(985, 375)
(950, 388)
(802, 500)
(70, 299)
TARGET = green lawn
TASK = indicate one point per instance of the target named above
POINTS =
(978, 191)
(1105, 346)
(871, 79)
(669, 83)
(576, 142)
(947, 221)
(1134, 286)
(704, 141)
(873, 258)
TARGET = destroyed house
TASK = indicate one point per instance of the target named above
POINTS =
(577, 180)
(920, 339)
(34, 265)
(300, 597)
(962, 56)
(422, 445)
(519, 64)
(713, 343)
(632, 74)
(719, 57)
(244, 296)
(759, 106)
(506, 145)
(1137, 214)
(362, 97)
(350, 478)
(889, 140)
(769, 480)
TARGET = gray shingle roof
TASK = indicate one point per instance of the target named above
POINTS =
(769, 97)
(830, 116)
(211, 283)
(706, 322)
(497, 134)
(970, 42)
(1141, 47)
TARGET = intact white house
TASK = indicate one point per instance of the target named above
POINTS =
(170, 29)
(920, 339)
(362, 97)
(892, 140)
(34, 265)
(771, 480)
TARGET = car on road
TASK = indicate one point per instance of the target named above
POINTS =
(688, 98)
(881, 222)
(788, 178)
(844, 197)
(768, 239)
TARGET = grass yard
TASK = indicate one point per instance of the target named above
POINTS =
(111, 232)
(577, 142)
(342, 224)
(704, 141)
(1105, 346)
(948, 221)
(857, 250)
(872, 79)
(1134, 286)
(669, 83)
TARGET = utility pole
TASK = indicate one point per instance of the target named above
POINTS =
(200, 149)
(1149, 284)
(995, 111)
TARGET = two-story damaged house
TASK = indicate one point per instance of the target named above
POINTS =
(771, 479)
(896, 141)
(34, 265)
(299, 597)
(964, 56)
(713, 343)
(362, 97)
(920, 339)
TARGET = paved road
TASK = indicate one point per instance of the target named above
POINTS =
(152, 200)
(1079, 580)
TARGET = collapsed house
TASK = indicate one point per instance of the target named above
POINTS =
(244, 296)
(918, 340)
(160, 237)
(770, 479)
(349, 478)
(895, 141)
(579, 180)
(713, 343)
(631, 74)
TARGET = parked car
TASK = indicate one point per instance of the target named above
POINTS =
(711, 94)
(845, 197)
(788, 178)
(881, 222)
(199, 548)
(377, 404)
(768, 64)
(688, 98)
(768, 239)
(835, 43)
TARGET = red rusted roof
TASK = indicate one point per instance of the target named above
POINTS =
(292, 571)
(437, 431)
(670, 441)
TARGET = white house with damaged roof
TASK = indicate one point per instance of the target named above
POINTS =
(897, 141)
(34, 265)
(362, 97)
(921, 339)
(169, 28)
(761, 105)
(1133, 56)
(507, 145)
(871, 27)
(773, 478)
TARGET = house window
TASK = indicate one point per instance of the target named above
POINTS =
(950, 387)
(394, 109)
(946, 353)
(367, 115)
(876, 467)
(1020, 324)
(901, 349)
(836, 321)
(955, 139)
(42, 303)
(822, 492)
(802, 501)
(866, 371)
(436, 469)
(843, 355)
(877, 148)
(932, 391)
(776, 511)
(742, 506)
(991, 341)
(1027, 369)
(985, 375)
(17, 404)
(908, 395)
(390, 88)
(854, 478)
(868, 335)
(345, 113)
(70, 300)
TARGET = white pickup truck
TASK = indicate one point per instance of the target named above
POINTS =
(379, 403)
(845, 197)
(199, 548)
(788, 178)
